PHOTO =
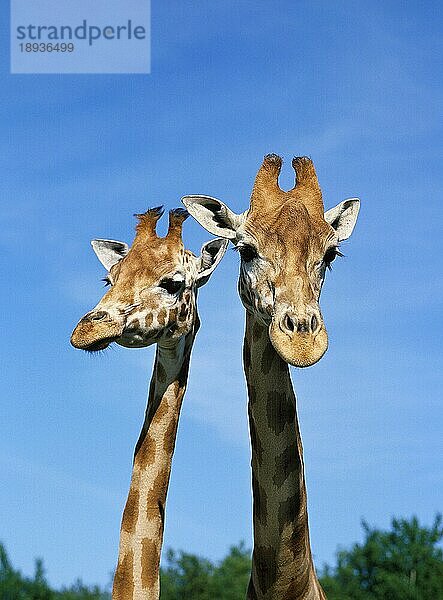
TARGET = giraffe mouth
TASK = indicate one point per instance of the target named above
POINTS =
(95, 332)
(99, 345)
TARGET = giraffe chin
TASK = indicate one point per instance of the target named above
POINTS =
(94, 346)
(300, 350)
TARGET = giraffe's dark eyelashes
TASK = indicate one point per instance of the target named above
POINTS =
(107, 281)
(172, 286)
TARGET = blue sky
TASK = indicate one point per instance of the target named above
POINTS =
(357, 86)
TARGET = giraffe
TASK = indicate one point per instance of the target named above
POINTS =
(152, 299)
(286, 242)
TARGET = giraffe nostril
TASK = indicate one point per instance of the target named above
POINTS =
(99, 316)
(314, 323)
(289, 323)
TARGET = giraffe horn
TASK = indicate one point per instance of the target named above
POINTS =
(266, 189)
(307, 188)
(177, 217)
(147, 222)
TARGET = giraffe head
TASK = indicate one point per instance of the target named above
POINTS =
(153, 286)
(286, 242)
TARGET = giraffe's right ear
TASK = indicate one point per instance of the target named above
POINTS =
(214, 215)
(109, 252)
(211, 254)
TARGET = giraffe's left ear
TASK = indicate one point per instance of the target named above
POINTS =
(109, 252)
(343, 217)
(211, 254)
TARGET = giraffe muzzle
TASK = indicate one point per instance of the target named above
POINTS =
(96, 331)
(301, 340)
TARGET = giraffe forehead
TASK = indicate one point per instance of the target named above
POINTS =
(288, 234)
(149, 265)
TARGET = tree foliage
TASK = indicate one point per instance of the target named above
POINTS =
(404, 563)
(188, 576)
(15, 586)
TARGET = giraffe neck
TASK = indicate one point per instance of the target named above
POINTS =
(137, 576)
(282, 564)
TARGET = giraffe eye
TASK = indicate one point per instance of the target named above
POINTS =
(247, 253)
(331, 255)
(172, 286)
(107, 280)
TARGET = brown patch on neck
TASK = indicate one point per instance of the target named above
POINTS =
(170, 435)
(287, 463)
(149, 574)
(298, 589)
(271, 360)
(130, 513)
(158, 404)
(280, 410)
(123, 587)
(260, 501)
(156, 496)
(145, 453)
(265, 560)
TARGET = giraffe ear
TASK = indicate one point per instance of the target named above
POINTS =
(343, 217)
(109, 252)
(213, 215)
(211, 254)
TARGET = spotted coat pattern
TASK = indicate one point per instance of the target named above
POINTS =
(282, 561)
(152, 300)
